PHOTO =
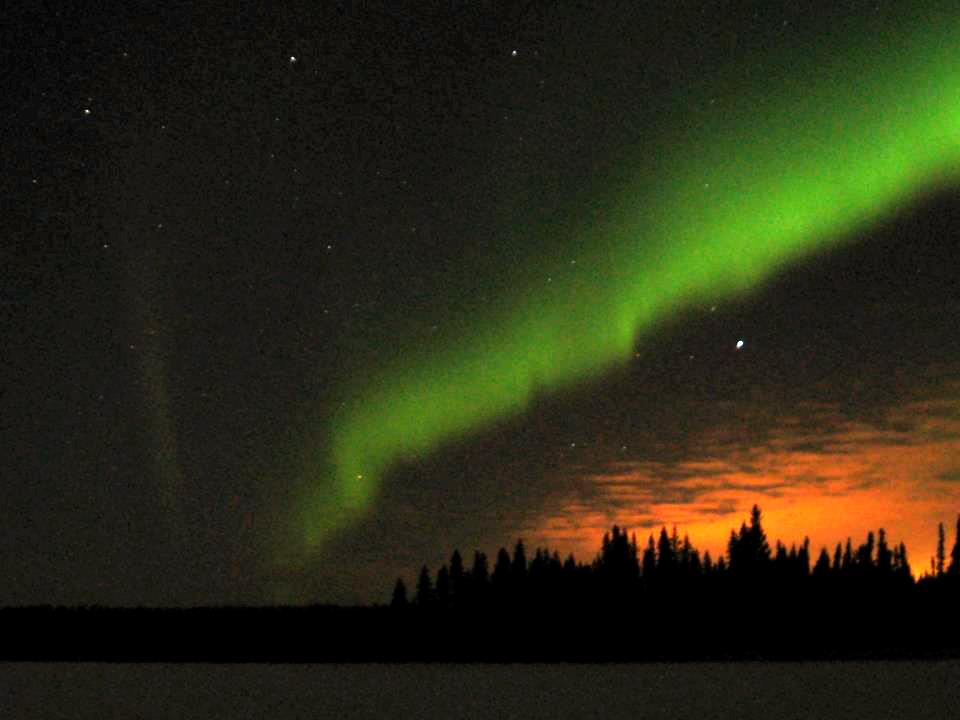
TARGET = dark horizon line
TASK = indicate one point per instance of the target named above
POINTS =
(759, 605)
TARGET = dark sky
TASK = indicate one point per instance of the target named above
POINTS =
(219, 221)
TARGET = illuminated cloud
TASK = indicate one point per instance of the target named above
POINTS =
(829, 480)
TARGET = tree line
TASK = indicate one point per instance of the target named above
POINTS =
(660, 600)
(670, 570)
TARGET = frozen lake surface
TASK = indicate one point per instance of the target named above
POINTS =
(690, 690)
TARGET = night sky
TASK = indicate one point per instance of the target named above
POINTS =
(295, 300)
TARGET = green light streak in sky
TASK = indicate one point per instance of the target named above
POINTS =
(822, 146)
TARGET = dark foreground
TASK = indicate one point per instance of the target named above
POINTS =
(651, 691)
(381, 634)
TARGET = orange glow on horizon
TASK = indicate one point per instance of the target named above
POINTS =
(858, 479)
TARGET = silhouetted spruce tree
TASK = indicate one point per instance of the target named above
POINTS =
(884, 557)
(847, 557)
(954, 568)
(837, 559)
(735, 546)
(478, 581)
(941, 550)
(518, 566)
(707, 563)
(794, 575)
(555, 570)
(666, 559)
(689, 562)
(633, 557)
(780, 560)
(479, 573)
(803, 559)
(424, 589)
(537, 576)
(821, 570)
(399, 599)
(538, 563)
(685, 550)
(617, 566)
(864, 561)
(569, 582)
(649, 561)
(601, 587)
(500, 580)
(903, 571)
(501, 570)
(456, 579)
(442, 589)
(559, 595)
(759, 545)
(749, 550)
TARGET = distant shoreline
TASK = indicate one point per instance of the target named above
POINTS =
(331, 634)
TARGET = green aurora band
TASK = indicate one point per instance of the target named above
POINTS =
(830, 140)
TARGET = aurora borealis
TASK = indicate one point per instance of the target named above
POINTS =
(297, 299)
(824, 145)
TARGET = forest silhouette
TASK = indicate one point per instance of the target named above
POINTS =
(666, 599)
(659, 601)
(670, 567)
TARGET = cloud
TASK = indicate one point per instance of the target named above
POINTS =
(950, 476)
(814, 471)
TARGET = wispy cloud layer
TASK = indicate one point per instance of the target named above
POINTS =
(816, 472)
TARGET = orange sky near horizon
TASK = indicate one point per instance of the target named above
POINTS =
(852, 478)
